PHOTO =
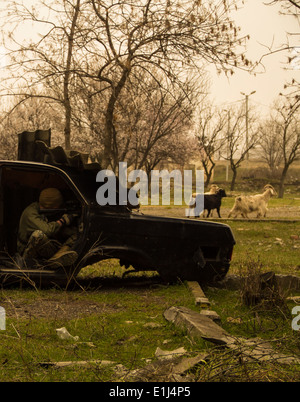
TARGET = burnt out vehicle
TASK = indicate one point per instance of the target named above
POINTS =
(175, 248)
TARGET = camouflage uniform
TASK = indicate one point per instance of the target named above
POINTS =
(40, 239)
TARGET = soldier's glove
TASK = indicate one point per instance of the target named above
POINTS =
(67, 219)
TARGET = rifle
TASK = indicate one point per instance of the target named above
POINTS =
(70, 208)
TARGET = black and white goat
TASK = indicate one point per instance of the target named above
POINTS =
(211, 201)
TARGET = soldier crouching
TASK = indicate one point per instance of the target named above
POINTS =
(44, 241)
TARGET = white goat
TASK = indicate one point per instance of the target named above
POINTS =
(213, 190)
(245, 204)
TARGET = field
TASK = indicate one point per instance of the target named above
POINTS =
(117, 323)
(273, 239)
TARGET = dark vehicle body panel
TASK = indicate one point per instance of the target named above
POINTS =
(176, 248)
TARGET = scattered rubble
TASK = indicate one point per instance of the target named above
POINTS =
(197, 325)
(202, 301)
(204, 327)
(76, 363)
(152, 325)
(63, 333)
(169, 354)
(178, 365)
(211, 314)
(174, 369)
(287, 283)
(200, 298)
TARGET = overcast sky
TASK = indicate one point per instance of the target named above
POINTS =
(265, 26)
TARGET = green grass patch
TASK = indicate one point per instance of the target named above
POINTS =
(272, 243)
(110, 315)
(111, 324)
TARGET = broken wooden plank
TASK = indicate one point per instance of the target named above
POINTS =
(200, 298)
(76, 363)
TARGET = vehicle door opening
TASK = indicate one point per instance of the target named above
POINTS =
(21, 186)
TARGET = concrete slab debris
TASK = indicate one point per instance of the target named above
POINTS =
(197, 325)
(211, 314)
(260, 350)
(189, 363)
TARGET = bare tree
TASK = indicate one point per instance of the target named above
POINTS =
(290, 8)
(287, 115)
(171, 36)
(236, 146)
(123, 38)
(150, 119)
(286, 118)
(165, 118)
(270, 147)
(43, 65)
(35, 114)
(209, 133)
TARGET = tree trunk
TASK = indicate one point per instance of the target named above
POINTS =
(110, 141)
(282, 181)
(67, 102)
(67, 129)
(208, 176)
(234, 174)
(208, 171)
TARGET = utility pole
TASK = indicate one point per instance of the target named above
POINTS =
(247, 133)
(227, 145)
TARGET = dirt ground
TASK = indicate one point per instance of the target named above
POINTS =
(287, 212)
(67, 305)
(54, 308)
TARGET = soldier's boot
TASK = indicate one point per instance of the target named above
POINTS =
(48, 248)
(64, 257)
(40, 246)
